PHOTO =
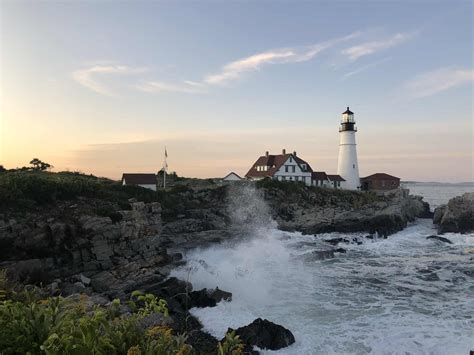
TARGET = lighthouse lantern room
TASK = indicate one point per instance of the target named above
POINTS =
(347, 165)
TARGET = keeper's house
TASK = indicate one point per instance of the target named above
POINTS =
(147, 181)
(380, 182)
(288, 167)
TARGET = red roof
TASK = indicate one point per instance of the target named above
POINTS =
(139, 179)
(335, 178)
(319, 175)
(380, 176)
(273, 163)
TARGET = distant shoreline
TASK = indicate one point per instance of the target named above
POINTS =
(439, 183)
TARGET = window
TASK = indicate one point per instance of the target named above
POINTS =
(293, 168)
(286, 168)
(303, 178)
(283, 178)
(353, 166)
(291, 160)
(297, 178)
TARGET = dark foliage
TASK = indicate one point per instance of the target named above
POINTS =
(30, 188)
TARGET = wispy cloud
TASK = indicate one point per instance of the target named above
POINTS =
(433, 82)
(235, 69)
(90, 76)
(364, 68)
(372, 47)
(187, 87)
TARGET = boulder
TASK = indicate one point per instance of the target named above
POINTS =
(202, 341)
(208, 298)
(219, 295)
(265, 335)
(85, 280)
(457, 216)
(336, 241)
(441, 239)
(319, 255)
(154, 320)
(30, 271)
(201, 299)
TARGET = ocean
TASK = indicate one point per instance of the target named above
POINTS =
(401, 295)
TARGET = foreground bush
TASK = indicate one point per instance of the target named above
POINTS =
(60, 326)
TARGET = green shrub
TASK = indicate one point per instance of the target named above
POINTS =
(59, 326)
(232, 345)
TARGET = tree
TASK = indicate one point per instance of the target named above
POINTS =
(2, 169)
(40, 165)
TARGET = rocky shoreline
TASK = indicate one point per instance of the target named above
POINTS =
(73, 252)
(457, 216)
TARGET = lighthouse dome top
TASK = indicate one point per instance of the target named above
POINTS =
(348, 112)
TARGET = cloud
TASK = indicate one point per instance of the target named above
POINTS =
(232, 71)
(187, 87)
(88, 77)
(235, 69)
(433, 82)
(364, 68)
(372, 47)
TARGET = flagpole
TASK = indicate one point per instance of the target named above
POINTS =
(165, 166)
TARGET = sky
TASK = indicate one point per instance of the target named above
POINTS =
(103, 87)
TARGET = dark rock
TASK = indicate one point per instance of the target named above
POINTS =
(336, 241)
(30, 271)
(203, 342)
(175, 292)
(102, 282)
(201, 299)
(219, 295)
(441, 239)
(340, 250)
(176, 257)
(265, 335)
(153, 320)
(319, 255)
(68, 288)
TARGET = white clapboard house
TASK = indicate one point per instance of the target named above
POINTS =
(289, 167)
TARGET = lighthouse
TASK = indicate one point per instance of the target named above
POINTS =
(347, 165)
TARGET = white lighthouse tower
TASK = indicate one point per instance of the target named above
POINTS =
(347, 165)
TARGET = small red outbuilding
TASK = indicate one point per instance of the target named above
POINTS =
(380, 181)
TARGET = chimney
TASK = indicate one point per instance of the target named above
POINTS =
(294, 153)
(283, 151)
(266, 153)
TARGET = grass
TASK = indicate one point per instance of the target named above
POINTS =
(311, 194)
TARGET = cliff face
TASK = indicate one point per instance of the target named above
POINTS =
(65, 238)
(317, 211)
(51, 247)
